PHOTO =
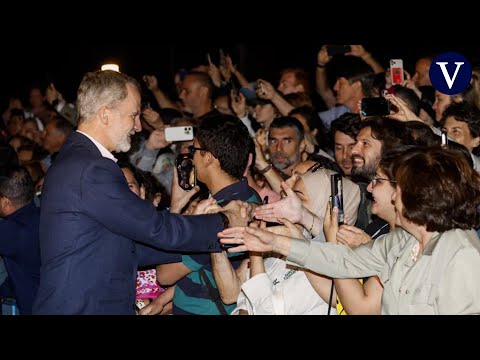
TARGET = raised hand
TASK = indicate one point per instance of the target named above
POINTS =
(265, 90)
(180, 197)
(358, 51)
(290, 208)
(404, 113)
(323, 58)
(330, 224)
(215, 75)
(151, 82)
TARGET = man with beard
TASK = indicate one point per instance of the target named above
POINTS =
(377, 135)
(344, 132)
(286, 144)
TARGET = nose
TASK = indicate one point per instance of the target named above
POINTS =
(138, 125)
(356, 149)
(370, 187)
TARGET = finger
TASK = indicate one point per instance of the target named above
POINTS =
(232, 241)
(287, 189)
(238, 249)
(263, 224)
(231, 232)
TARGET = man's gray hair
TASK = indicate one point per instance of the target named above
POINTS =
(101, 88)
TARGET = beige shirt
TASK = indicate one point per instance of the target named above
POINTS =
(445, 279)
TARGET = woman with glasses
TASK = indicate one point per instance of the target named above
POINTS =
(430, 265)
(366, 298)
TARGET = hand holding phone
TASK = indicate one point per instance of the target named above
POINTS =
(179, 133)
(187, 179)
(337, 196)
(375, 106)
(333, 50)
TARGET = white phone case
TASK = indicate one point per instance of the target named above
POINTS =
(179, 133)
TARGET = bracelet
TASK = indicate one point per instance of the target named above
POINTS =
(313, 223)
(267, 169)
(321, 65)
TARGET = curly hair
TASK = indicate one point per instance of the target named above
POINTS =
(440, 189)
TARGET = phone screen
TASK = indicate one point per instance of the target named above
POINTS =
(376, 106)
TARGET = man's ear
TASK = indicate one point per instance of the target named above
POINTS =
(476, 142)
(6, 206)
(303, 146)
(250, 162)
(104, 114)
(208, 159)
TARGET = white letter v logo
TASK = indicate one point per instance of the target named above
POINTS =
(446, 75)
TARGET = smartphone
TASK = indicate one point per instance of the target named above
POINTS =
(396, 71)
(179, 133)
(375, 106)
(187, 178)
(337, 196)
(333, 50)
(444, 139)
(261, 87)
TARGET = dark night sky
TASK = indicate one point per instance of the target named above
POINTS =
(67, 65)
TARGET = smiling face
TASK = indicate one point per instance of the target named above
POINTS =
(126, 121)
(366, 154)
(382, 193)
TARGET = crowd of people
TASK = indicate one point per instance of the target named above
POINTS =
(96, 218)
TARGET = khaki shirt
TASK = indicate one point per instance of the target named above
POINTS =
(445, 279)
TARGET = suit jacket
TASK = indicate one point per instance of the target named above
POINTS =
(91, 227)
(21, 253)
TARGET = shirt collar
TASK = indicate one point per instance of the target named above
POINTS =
(237, 190)
(432, 244)
(103, 150)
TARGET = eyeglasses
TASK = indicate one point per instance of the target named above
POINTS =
(192, 149)
(377, 179)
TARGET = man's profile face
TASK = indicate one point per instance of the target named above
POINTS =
(126, 120)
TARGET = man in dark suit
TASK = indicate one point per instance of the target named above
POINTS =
(94, 232)
(19, 236)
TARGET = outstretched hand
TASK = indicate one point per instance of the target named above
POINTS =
(239, 213)
(249, 238)
(290, 208)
